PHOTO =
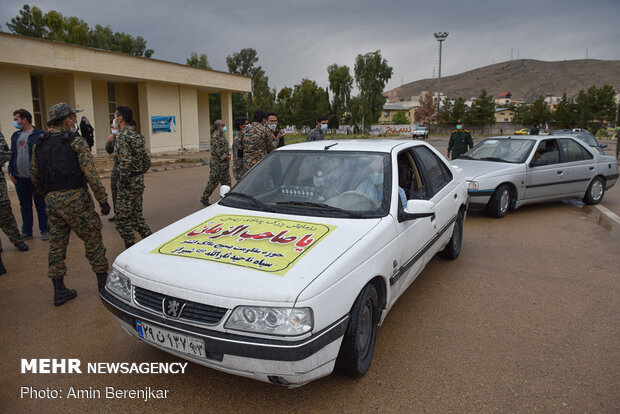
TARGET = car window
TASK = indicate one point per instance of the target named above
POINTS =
(547, 152)
(436, 174)
(572, 151)
(409, 177)
(317, 183)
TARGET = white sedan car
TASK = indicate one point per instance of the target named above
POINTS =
(288, 276)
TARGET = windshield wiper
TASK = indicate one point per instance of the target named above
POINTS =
(249, 197)
(319, 205)
(466, 157)
(493, 159)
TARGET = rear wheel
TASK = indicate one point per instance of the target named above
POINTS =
(453, 248)
(595, 192)
(358, 344)
(500, 202)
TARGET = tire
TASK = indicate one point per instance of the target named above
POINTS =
(358, 344)
(500, 202)
(453, 248)
(595, 191)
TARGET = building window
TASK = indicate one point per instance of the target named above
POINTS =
(111, 100)
(36, 102)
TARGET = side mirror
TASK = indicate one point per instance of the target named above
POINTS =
(418, 209)
(224, 190)
(603, 145)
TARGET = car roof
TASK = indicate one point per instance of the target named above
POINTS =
(363, 145)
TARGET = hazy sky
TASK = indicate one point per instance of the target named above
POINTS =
(298, 39)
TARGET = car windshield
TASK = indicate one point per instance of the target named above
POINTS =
(317, 183)
(501, 150)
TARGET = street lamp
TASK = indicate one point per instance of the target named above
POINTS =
(440, 36)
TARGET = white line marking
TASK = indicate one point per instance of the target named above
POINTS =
(608, 213)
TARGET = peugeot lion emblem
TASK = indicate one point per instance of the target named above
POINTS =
(173, 307)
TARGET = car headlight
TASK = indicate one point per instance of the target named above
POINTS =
(272, 321)
(473, 185)
(119, 284)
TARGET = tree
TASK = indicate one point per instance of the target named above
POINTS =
(340, 82)
(284, 107)
(372, 73)
(482, 111)
(54, 26)
(564, 115)
(424, 112)
(309, 102)
(400, 118)
(243, 63)
(198, 62)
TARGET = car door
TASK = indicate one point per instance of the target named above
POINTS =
(544, 172)
(577, 166)
(414, 236)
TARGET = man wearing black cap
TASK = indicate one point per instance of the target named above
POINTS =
(61, 167)
(460, 141)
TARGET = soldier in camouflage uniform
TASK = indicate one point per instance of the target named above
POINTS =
(258, 141)
(317, 133)
(7, 219)
(237, 148)
(219, 161)
(460, 141)
(61, 166)
(133, 161)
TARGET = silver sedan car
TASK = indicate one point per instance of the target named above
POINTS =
(508, 172)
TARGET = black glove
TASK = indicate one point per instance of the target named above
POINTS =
(105, 208)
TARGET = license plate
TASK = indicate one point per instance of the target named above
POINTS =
(171, 340)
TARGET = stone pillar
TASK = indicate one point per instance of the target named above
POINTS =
(81, 97)
(227, 114)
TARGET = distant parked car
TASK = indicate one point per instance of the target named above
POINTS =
(505, 172)
(420, 132)
(522, 131)
(584, 136)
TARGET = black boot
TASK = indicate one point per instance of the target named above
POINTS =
(102, 278)
(22, 247)
(2, 268)
(61, 293)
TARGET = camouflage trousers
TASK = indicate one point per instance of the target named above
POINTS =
(128, 210)
(114, 186)
(7, 219)
(74, 210)
(218, 175)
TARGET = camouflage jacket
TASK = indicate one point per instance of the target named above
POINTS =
(219, 151)
(5, 151)
(237, 155)
(315, 135)
(86, 163)
(131, 155)
(257, 141)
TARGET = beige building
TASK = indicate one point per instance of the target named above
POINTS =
(504, 115)
(390, 109)
(170, 101)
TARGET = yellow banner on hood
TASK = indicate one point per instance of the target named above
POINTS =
(261, 243)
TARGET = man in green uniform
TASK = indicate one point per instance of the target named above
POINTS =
(133, 161)
(61, 166)
(8, 224)
(460, 141)
(257, 141)
(219, 162)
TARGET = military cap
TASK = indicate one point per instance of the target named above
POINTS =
(460, 121)
(61, 110)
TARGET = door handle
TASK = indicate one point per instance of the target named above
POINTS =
(591, 168)
(456, 196)
(559, 172)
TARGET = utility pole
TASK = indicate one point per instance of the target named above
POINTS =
(440, 36)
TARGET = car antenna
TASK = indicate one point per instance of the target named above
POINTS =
(329, 146)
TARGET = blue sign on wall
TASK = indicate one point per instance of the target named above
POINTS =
(163, 124)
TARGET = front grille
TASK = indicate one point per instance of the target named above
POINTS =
(194, 312)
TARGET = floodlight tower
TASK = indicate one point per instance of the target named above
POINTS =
(440, 36)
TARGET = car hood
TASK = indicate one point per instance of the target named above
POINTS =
(475, 169)
(220, 253)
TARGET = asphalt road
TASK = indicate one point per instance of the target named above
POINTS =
(525, 320)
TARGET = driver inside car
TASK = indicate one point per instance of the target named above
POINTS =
(372, 185)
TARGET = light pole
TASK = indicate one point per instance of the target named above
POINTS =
(440, 36)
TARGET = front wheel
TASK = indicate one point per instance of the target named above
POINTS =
(595, 192)
(453, 248)
(358, 344)
(500, 202)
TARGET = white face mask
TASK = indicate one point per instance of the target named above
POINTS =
(114, 131)
(272, 126)
(114, 123)
(75, 127)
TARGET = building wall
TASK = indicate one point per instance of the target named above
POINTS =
(163, 100)
(204, 123)
(504, 116)
(16, 94)
(100, 118)
(188, 101)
